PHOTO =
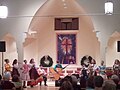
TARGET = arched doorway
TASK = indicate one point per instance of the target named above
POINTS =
(111, 50)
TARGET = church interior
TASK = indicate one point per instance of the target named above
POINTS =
(64, 30)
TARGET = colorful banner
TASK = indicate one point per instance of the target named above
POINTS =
(66, 48)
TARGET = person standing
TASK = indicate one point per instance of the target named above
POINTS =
(7, 66)
(116, 67)
(15, 70)
(17, 83)
(6, 84)
(102, 70)
(33, 73)
(93, 68)
(25, 73)
(42, 73)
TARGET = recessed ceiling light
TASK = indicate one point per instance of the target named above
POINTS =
(65, 6)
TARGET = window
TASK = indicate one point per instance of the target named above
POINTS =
(66, 23)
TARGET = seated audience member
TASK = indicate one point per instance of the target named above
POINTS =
(0, 81)
(16, 81)
(6, 83)
(66, 85)
(109, 73)
(74, 79)
(66, 78)
(83, 78)
(82, 82)
(109, 84)
(75, 82)
(98, 82)
(116, 80)
(90, 83)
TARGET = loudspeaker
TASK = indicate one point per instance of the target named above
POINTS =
(57, 83)
(118, 46)
(2, 46)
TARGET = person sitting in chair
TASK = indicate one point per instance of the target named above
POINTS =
(44, 75)
(58, 65)
(58, 68)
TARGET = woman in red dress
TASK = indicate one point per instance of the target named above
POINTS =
(33, 73)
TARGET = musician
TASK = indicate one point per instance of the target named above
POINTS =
(57, 68)
(102, 70)
(44, 75)
(85, 62)
(93, 68)
(116, 67)
(58, 65)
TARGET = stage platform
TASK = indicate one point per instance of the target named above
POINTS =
(51, 86)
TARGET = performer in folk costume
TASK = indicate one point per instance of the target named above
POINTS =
(116, 67)
(7, 66)
(93, 68)
(58, 65)
(43, 75)
(15, 68)
(25, 73)
(85, 62)
(102, 70)
(33, 73)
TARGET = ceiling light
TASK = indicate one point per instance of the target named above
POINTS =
(65, 6)
(3, 11)
(63, 0)
(109, 8)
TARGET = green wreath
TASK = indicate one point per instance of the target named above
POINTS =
(46, 61)
(86, 59)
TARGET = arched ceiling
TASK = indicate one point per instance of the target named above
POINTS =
(57, 8)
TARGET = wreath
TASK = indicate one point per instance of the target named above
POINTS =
(46, 61)
(86, 60)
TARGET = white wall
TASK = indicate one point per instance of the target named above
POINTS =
(21, 13)
(111, 51)
(86, 42)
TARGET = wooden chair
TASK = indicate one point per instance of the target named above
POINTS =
(69, 72)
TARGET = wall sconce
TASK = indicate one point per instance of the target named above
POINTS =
(3, 11)
(108, 8)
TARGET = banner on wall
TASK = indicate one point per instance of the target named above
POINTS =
(66, 48)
